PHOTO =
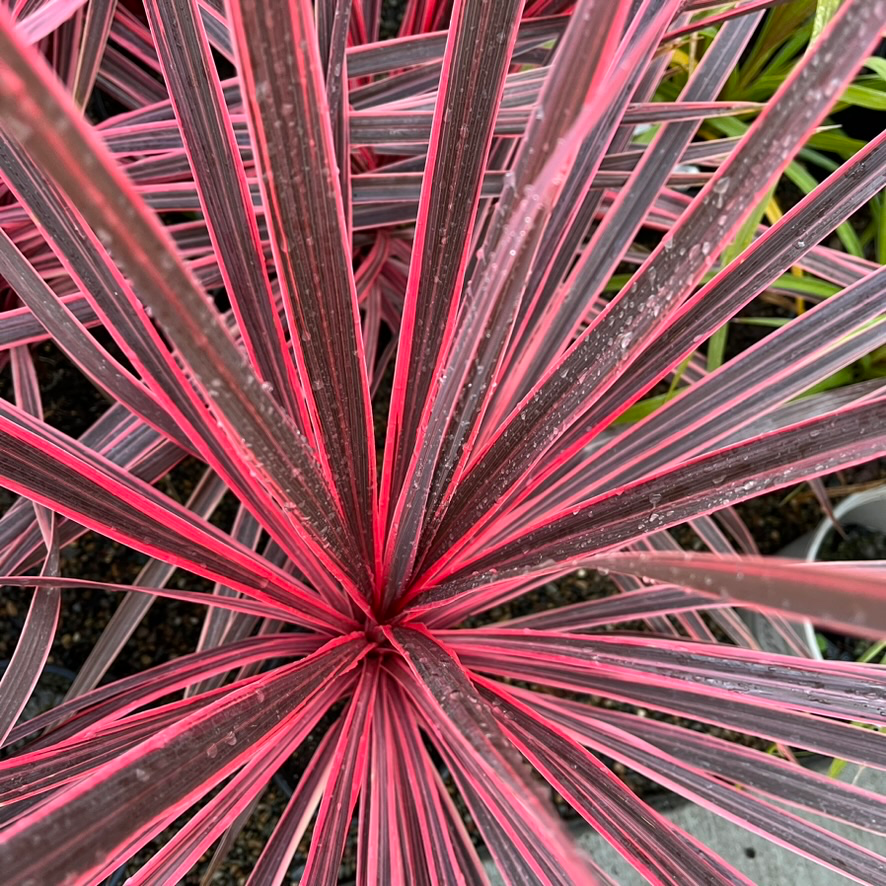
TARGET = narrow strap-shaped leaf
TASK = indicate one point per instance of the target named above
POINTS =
(346, 775)
(275, 858)
(35, 640)
(122, 439)
(21, 327)
(231, 604)
(204, 499)
(643, 603)
(410, 131)
(224, 846)
(760, 678)
(765, 773)
(811, 448)
(218, 620)
(793, 359)
(383, 814)
(767, 820)
(613, 342)
(35, 774)
(288, 113)
(845, 598)
(792, 728)
(40, 21)
(567, 223)
(551, 329)
(478, 49)
(332, 33)
(218, 173)
(157, 779)
(413, 834)
(709, 21)
(96, 29)
(647, 840)
(57, 139)
(407, 51)
(131, 33)
(126, 80)
(469, 862)
(39, 774)
(83, 349)
(114, 700)
(630, 75)
(768, 256)
(463, 719)
(87, 488)
(570, 487)
(455, 390)
(509, 242)
(500, 815)
(182, 851)
(215, 24)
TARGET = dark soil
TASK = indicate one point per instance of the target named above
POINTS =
(854, 543)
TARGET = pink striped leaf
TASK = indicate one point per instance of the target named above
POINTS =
(483, 325)
(346, 775)
(91, 490)
(102, 369)
(419, 49)
(288, 112)
(34, 644)
(791, 360)
(642, 603)
(179, 854)
(724, 672)
(252, 424)
(788, 727)
(163, 776)
(96, 30)
(204, 500)
(410, 823)
(550, 328)
(49, 16)
(478, 48)
(274, 861)
(851, 435)
(610, 345)
(771, 254)
(224, 195)
(127, 80)
(116, 699)
(763, 773)
(36, 774)
(466, 730)
(851, 600)
(650, 843)
(510, 837)
(737, 805)
(384, 811)
(231, 604)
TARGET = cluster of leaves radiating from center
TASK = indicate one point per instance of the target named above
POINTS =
(433, 220)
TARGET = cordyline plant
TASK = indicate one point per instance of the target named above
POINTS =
(450, 205)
